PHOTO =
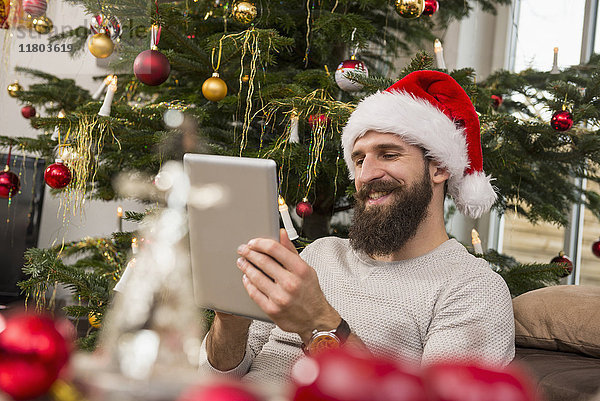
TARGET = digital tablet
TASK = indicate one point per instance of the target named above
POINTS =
(248, 209)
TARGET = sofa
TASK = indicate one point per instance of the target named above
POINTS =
(557, 335)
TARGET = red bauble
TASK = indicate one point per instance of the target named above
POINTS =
(496, 101)
(304, 209)
(343, 375)
(596, 248)
(561, 259)
(35, 8)
(448, 382)
(9, 184)
(431, 6)
(32, 353)
(151, 67)
(28, 111)
(562, 120)
(57, 175)
(218, 392)
(314, 119)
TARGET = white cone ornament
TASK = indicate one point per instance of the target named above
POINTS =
(345, 67)
(431, 110)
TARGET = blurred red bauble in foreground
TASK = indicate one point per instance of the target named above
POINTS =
(32, 354)
(563, 260)
(28, 111)
(57, 175)
(431, 6)
(304, 208)
(596, 248)
(9, 184)
(151, 67)
(562, 120)
(339, 375)
(450, 382)
(218, 392)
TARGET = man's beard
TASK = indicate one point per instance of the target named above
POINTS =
(380, 230)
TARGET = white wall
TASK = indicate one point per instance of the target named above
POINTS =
(99, 218)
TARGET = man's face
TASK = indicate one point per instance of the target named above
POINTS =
(393, 193)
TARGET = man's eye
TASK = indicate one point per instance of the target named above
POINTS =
(390, 155)
(358, 162)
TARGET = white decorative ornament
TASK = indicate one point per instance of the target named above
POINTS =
(346, 66)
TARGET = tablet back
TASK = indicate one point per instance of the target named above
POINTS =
(248, 210)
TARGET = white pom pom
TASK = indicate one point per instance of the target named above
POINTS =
(473, 194)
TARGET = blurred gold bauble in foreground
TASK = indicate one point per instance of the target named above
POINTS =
(214, 88)
(244, 12)
(100, 45)
(410, 8)
(42, 24)
(13, 89)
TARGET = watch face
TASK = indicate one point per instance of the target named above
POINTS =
(323, 341)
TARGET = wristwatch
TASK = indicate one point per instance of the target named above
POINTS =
(323, 340)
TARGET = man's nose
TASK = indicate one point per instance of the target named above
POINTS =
(371, 169)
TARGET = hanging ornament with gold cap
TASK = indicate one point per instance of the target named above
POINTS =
(9, 181)
(14, 89)
(35, 8)
(42, 25)
(110, 25)
(101, 45)
(350, 66)
(152, 67)
(244, 12)
(410, 9)
(214, 88)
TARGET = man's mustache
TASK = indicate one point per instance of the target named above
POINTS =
(376, 186)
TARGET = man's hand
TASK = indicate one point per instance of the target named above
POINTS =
(285, 287)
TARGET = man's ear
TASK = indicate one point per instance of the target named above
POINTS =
(439, 174)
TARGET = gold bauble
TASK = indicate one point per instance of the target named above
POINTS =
(244, 12)
(94, 320)
(410, 8)
(214, 88)
(42, 25)
(100, 45)
(14, 89)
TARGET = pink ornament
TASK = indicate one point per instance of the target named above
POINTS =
(151, 67)
(28, 111)
(57, 175)
(304, 208)
(431, 6)
(35, 8)
(562, 120)
(9, 184)
(346, 66)
(317, 119)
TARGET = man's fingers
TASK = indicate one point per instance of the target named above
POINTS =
(284, 256)
(255, 294)
(285, 240)
(264, 262)
(256, 276)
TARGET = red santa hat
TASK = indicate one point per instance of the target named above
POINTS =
(431, 110)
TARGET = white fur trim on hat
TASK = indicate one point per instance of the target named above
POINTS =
(417, 121)
(473, 194)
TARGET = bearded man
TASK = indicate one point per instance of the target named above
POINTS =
(398, 286)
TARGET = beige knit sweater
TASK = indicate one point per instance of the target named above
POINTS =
(446, 304)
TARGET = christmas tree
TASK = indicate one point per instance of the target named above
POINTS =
(276, 95)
